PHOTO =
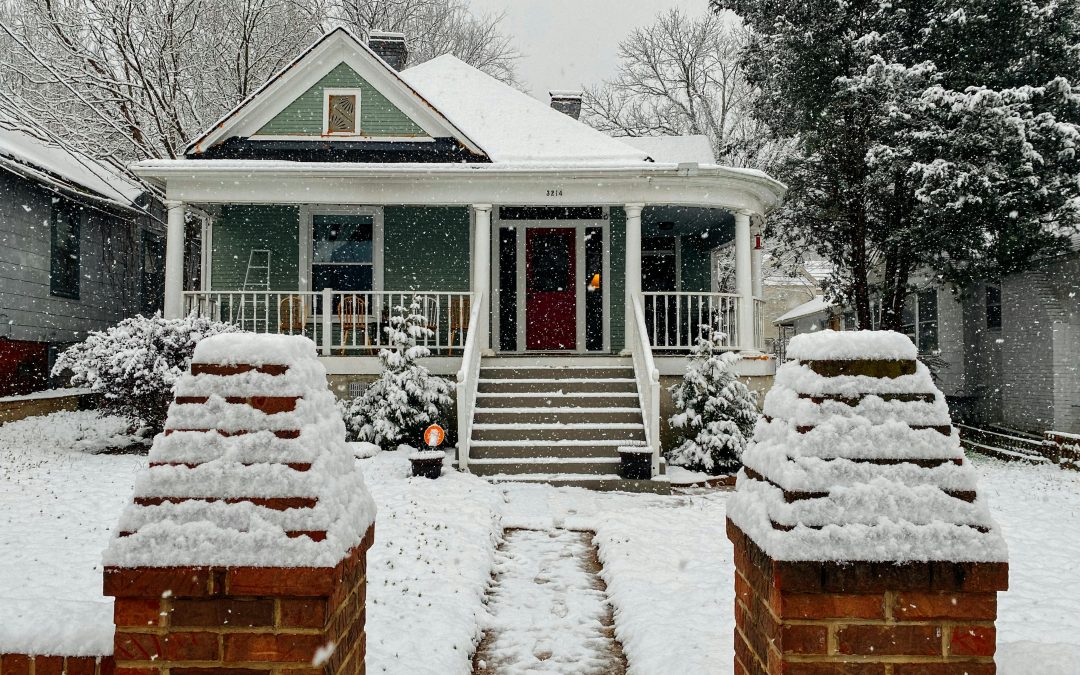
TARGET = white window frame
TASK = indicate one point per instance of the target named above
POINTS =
(715, 253)
(327, 93)
(307, 219)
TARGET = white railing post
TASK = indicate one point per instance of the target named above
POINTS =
(327, 321)
(648, 377)
(468, 376)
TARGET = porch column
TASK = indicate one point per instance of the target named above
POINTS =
(757, 254)
(174, 261)
(744, 280)
(633, 264)
(481, 281)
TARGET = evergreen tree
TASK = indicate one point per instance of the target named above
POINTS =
(407, 397)
(716, 412)
(936, 134)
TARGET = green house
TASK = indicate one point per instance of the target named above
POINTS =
(542, 252)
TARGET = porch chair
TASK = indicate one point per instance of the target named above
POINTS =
(352, 316)
(292, 314)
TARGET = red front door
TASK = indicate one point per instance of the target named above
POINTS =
(550, 291)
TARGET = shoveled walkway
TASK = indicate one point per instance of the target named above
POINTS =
(549, 611)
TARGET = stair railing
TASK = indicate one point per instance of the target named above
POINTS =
(648, 379)
(468, 377)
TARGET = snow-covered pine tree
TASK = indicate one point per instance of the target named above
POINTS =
(716, 412)
(407, 397)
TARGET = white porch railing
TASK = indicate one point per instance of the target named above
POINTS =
(340, 322)
(674, 320)
(648, 380)
(468, 378)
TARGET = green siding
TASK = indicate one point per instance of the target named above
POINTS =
(242, 228)
(426, 249)
(378, 116)
(696, 252)
(617, 255)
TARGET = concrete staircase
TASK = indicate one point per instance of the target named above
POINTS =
(557, 420)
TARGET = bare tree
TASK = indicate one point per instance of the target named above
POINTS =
(436, 27)
(681, 75)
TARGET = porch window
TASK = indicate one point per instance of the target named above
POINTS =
(659, 264)
(342, 252)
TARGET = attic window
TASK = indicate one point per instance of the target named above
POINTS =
(342, 108)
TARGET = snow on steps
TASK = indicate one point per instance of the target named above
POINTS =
(556, 420)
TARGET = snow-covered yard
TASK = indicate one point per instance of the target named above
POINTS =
(666, 560)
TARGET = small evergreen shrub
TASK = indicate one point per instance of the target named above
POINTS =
(406, 398)
(135, 364)
(716, 413)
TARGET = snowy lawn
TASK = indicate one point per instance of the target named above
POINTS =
(667, 562)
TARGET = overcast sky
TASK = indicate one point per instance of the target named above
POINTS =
(568, 44)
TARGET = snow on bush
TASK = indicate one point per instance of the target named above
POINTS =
(135, 364)
(407, 397)
(716, 412)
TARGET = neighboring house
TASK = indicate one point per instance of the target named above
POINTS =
(538, 248)
(792, 301)
(1006, 354)
(77, 253)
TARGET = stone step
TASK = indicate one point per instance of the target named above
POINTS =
(559, 372)
(585, 400)
(543, 433)
(556, 415)
(607, 482)
(556, 387)
(593, 466)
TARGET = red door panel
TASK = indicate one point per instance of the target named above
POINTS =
(550, 291)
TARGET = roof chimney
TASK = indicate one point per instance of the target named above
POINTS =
(567, 102)
(390, 47)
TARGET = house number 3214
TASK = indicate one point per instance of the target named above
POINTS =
(557, 192)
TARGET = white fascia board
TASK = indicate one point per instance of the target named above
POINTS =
(224, 181)
(338, 46)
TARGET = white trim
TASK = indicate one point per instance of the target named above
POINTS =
(345, 137)
(307, 214)
(206, 255)
(713, 254)
(336, 47)
(358, 129)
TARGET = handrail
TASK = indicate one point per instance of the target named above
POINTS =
(648, 380)
(468, 377)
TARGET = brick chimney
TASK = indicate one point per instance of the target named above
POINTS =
(390, 46)
(567, 102)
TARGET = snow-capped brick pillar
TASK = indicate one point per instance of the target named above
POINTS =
(244, 549)
(862, 544)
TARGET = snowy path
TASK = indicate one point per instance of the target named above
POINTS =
(548, 609)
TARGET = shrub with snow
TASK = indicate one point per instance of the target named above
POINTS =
(407, 397)
(715, 411)
(135, 364)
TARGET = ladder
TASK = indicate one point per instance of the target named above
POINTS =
(259, 263)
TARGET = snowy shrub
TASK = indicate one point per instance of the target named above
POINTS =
(406, 398)
(716, 412)
(134, 364)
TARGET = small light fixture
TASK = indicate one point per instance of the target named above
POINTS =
(594, 282)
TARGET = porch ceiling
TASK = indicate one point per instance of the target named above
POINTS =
(255, 181)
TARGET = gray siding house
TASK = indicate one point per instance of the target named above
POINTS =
(80, 249)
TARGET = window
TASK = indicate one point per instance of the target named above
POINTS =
(341, 111)
(342, 252)
(722, 261)
(153, 272)
(993, 307)
(659, 264)
(927, 306)
(64, 267)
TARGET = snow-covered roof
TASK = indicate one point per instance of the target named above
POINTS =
(30, 153)
(818, 304)
(508, 125)
(820, 270)
(674, 149)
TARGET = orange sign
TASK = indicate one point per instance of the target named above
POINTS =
(434, 436)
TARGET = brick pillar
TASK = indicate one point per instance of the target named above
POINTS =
(861, 545)
(193, 620)
(245, 547)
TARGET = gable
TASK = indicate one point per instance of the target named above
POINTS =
(378, 115)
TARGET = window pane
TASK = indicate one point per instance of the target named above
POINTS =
(928, 321)
(549, 264)
(993, 307)
(341, 118)
(342, 277)
(64, 259)
(342, 239)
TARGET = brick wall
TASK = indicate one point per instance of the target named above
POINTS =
(268, 621)
(24, 664)
(814, 618)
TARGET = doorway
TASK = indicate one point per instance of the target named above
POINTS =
(550, 289)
